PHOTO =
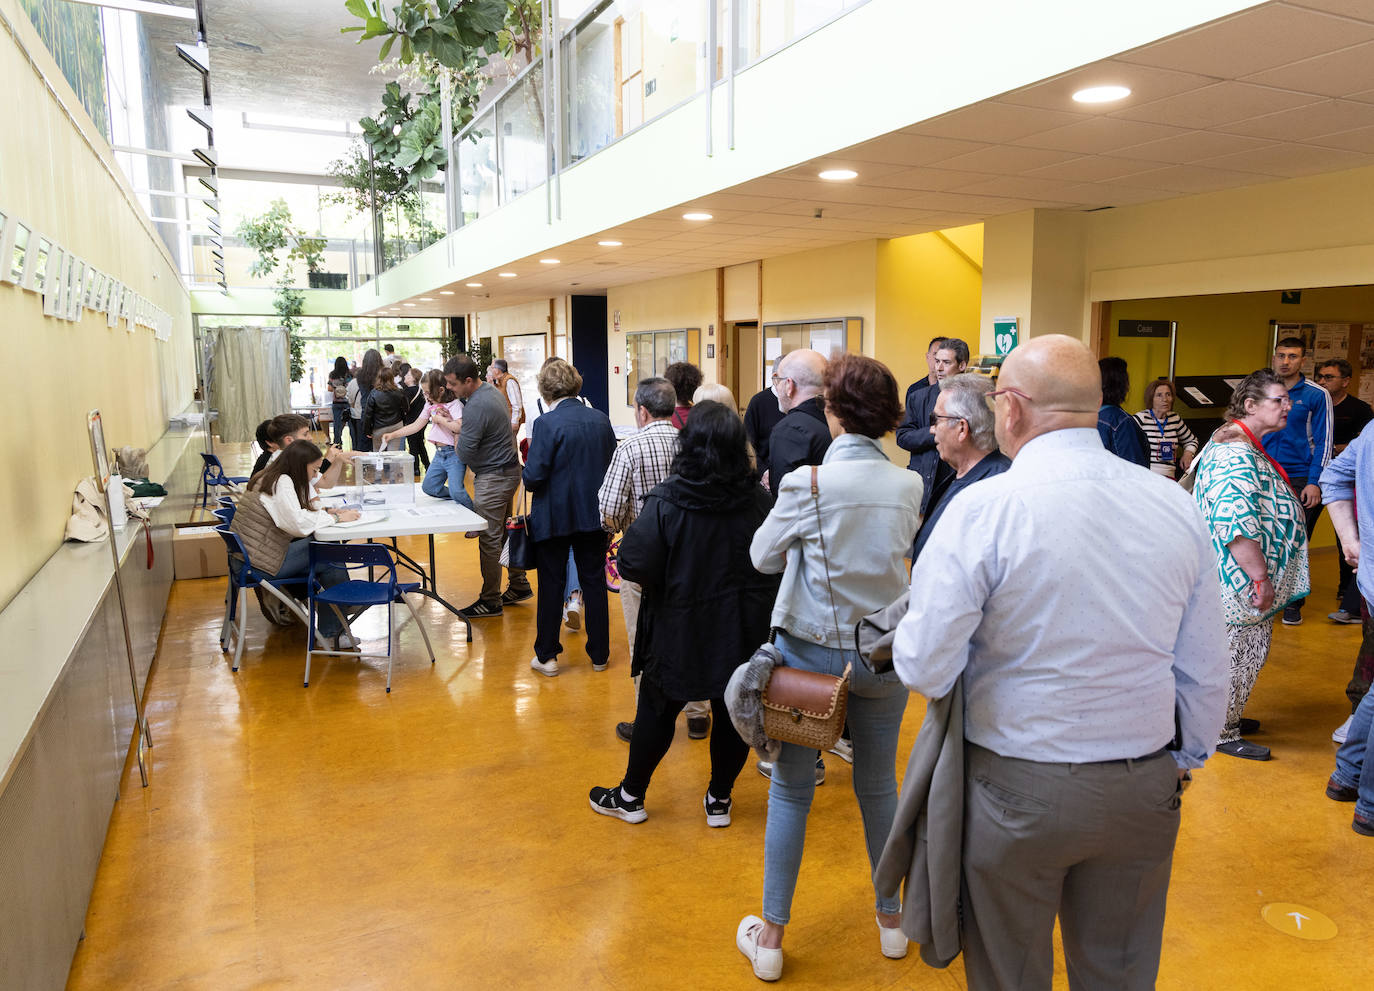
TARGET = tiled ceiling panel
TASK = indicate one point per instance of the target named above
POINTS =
(1220, 103)
(1313, 120)
(1342, 73)
(1192, 146)
(1098, 135)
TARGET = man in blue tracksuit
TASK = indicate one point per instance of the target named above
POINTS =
(1303, 447)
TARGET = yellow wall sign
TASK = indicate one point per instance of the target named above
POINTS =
(1298, 920)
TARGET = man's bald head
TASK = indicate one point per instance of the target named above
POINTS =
(1057, 387)
(800, 376)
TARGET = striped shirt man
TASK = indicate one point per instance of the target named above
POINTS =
(640, 462)
(1169, 440)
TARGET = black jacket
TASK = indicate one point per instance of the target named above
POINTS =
(762, 415)
(384, 408)
(800, 438)
(914, 435)
(704, 608)
(570, 449)
(993, 463)
(415, 403)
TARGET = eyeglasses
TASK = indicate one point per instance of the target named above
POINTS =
(1277, 399)
(942, 416)
(782, 378)
(1009, 391)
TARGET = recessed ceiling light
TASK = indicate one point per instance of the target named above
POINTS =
(407, 304)
(473, 285)
(696, 215)
(1102, 94)
(445, 292)
(609, 244)
(506, 275)
(426, 299)
(548, 261)
(838, 175)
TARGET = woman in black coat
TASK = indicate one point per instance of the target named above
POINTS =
(704, 608)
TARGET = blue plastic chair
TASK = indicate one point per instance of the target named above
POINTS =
(355, 595)
(242, 577)
(212, 475)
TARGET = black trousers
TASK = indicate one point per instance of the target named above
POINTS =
(655, 720)
(416, 444)
(1310, 517)
(551, 563)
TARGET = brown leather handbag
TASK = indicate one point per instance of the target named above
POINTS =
(806, 707)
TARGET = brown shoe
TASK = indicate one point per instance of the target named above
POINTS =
(1362, 825)
(1338, 792)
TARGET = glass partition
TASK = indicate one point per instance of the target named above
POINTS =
(478, 170)
(520, 122)
(650, 353)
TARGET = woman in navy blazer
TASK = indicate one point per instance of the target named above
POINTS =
(570, 449)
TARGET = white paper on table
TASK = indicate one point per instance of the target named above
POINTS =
(364, 520)
(1199, 395)
(425, 512)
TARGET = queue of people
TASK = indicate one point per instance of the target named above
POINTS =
(790, 524)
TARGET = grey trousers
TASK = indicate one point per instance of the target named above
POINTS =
(630, 594)
(491, 495)
(1091, 843)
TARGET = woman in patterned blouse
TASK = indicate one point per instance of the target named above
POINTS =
(1172, 444)
(1260, 536)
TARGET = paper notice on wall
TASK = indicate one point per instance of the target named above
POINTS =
(772, 349)
(1366, 372)
(1198, 395)
(1232, 383)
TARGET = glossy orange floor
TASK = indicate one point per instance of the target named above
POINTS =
(439, 837)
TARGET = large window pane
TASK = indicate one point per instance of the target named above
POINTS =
(477, 169)
(520, 120)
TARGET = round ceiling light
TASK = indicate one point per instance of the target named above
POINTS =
(426, 299)
(548, 261)
(506, 275)
(445, 292)
(696, 215)
(609, 244)
(473, 285)
(407, 304)
(1102, 94)
(838, 175)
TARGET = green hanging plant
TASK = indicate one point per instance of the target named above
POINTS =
(290, 305)
(448, 30)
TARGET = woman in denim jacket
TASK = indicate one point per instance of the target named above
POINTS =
(869, 512)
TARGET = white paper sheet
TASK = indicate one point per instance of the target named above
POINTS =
(1199, 395)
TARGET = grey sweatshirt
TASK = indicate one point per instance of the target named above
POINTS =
(486, 442)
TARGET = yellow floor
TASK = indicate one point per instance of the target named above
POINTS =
(439, 837)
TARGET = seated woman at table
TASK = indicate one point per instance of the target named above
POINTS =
(276, 518)
(443, 415)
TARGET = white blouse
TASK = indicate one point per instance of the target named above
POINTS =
(288, 513)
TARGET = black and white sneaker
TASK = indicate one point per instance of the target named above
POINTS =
(610, 802)
(717, 810)
(479, 610)
(1292, 616)
(512, 595)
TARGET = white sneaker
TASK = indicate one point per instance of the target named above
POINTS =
(1342, 730)
(893, 941)
(767, 963)
(844, 750)
(549, 667)
(346, 642)
(572, 613)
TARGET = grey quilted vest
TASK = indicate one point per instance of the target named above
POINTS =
(265, 542)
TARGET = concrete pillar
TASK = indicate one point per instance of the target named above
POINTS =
(1033, 270)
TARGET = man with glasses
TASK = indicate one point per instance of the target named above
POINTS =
(1303, 447)
(1349, 415)
(1075, 598)
(802, 436)
(914, 433)
(966, 442)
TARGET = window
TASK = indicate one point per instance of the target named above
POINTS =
(650, 353)
(829, 337)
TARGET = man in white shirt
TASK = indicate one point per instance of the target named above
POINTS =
(1076, 595)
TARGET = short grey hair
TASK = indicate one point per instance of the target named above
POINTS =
(657, 395)
(716, 392)
(966, 397)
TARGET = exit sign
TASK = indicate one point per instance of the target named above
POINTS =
(1004, 334)
(401, 328)
(345, 325)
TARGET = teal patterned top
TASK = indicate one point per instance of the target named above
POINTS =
(1241, 495)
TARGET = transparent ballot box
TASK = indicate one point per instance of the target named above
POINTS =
(383, 479)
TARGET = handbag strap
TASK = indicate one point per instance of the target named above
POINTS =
(825, 556)
(1261, 449)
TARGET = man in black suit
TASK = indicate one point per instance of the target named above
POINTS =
(802, 436)
(914, 432)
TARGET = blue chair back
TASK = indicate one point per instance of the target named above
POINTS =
(213, 472)
(225, 514)
(351, 556)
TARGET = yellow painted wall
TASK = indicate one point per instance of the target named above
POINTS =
(924, 289)
(53, 180)
(822, 284)
(523, 318)
(741, 291)
(661, 304)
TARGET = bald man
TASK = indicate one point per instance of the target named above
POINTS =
(802, 436)
(1076, 598)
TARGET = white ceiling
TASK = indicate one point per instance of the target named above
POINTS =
(1277, 91)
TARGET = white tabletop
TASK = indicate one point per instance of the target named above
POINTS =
(425, 516)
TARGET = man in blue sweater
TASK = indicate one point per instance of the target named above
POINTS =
(1303, 447)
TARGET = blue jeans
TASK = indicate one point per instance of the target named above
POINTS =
(1352, 770)
(444, 479)
(297, 563)
(573, 585)
(876, 705)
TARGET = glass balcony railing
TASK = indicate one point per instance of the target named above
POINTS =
(622, 63)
